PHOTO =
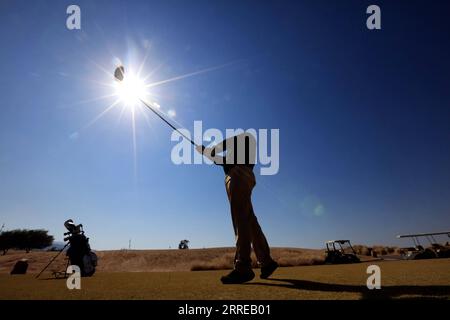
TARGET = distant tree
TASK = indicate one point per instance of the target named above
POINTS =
(5, 241)
(23, 239)
(183, 244)
(38, 239)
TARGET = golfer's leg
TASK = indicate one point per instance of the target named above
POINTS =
(228, 188)
(259, 241)
(243, 238)
(240, 211)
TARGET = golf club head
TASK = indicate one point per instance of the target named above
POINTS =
(119, 73)
(70, 225)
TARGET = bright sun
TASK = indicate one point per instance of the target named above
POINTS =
(130, 90)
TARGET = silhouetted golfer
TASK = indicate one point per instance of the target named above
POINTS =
(238, 165)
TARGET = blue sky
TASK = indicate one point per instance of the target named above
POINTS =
(363, 118)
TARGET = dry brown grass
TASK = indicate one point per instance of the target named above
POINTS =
(179, 260)
(222, 262)
(286, 257)
(36, 261)
(160, 260)
(376, 250)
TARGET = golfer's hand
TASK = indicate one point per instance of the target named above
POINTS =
(207, 153)
(210, 154)
(200, 149)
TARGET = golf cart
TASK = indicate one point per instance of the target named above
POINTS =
(340, 251)
(435, 250)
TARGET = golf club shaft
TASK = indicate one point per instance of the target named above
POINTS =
(168, 123)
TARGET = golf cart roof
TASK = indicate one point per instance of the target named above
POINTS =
(337, 241)
(423, 234)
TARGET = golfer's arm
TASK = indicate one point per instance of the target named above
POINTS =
(218, 149)
(219, 160)
(222, 146)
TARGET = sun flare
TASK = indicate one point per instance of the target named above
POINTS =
(131, 90)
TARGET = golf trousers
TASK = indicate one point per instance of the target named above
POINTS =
(239, 183)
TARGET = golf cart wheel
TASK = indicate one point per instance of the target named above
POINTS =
(426, 254)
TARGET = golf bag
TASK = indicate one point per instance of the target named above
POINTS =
(79, 251)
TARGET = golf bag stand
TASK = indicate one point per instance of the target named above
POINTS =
(51, 261)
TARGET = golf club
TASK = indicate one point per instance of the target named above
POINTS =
(119, 75)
